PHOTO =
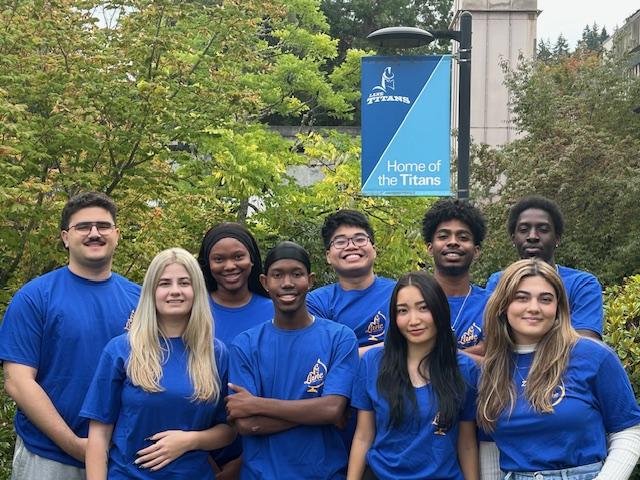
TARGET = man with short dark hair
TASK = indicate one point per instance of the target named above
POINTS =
(52, 336)
(536, 226)
(293, 379)
(453, 231)
(360, 299)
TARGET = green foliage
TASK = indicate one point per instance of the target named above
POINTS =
(298, 213)
(622, 330)
(352, 20)
(580, 147)
(159, 107)
(592, 38)
(7, 435)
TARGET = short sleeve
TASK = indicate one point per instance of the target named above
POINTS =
(102, 402)
(470, 373)
(360, 398)
(344, 364)
(241, 370)
(615, 396)
(22, 331)
(222, 363)
(316, 307)
(586, 305)
(493, 281)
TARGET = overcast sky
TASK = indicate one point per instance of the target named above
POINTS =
(569, 17)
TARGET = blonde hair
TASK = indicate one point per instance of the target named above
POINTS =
(149, 344)
(497, 389)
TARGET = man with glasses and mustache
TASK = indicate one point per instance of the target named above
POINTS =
(51, 338)
(360, 299)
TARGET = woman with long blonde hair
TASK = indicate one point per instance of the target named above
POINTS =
(549, 397)
(155, 403)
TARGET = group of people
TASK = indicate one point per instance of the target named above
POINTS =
(225, 367)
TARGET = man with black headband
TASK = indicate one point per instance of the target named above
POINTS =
(292, 378)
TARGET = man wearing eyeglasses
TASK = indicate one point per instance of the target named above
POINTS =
(51, 338)
(359, 299)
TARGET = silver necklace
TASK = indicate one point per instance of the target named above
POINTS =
(523, 383)
(464, 302)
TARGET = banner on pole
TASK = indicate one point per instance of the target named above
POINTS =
(406, 122)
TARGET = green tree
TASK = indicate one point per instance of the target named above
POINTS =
(561, 47)
(352, 20)
(543, 51)
(159, 107)
(580, 147)
(592, 38)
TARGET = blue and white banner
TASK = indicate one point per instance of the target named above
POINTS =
(406, 126)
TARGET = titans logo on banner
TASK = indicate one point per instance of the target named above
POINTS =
(406, 118)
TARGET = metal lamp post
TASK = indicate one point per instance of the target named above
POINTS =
(410, 37)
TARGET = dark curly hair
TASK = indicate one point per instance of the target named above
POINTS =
(445, 210)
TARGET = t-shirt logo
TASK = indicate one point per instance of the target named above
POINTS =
(470, 336)
(127, 325)
(558, 394)
(315, 378)
(375, 329)
(438, 430)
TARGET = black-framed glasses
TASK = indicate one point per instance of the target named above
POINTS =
(84, 228)
(341, 241)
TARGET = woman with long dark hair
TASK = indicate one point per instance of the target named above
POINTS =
(416, 397)
(559, 406)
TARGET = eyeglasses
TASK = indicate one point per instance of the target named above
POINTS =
(358, 240)
(84, 228)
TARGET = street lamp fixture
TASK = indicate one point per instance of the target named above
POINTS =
(411, 37)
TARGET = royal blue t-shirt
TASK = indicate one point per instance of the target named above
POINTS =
(466, 317)
(312, 362)
(594, 398)
(138, 415)
(58, 324)
(230, 321)
(584, 293)
(417, 449)
(366, 312)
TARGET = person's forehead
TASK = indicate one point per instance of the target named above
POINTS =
(533, 216)
(453, 225)
(91, 214)
(348, 230)
(287, 265)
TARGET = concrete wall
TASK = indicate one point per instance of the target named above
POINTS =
(503, 30)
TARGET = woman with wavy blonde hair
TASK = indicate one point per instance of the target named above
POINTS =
(549, 397)
(157, 393)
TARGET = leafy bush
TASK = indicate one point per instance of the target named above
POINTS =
(7, 435)
(622, 330)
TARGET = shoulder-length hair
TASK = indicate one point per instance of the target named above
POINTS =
(149, 344)
(497, 389)
(440, 366)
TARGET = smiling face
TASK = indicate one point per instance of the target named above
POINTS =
(287, 282)
(230, 265)
(174, 295)
(535, 235)
(453, 248)
(532, 312)
(351, 261)
(90, 251)
(414, 319)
